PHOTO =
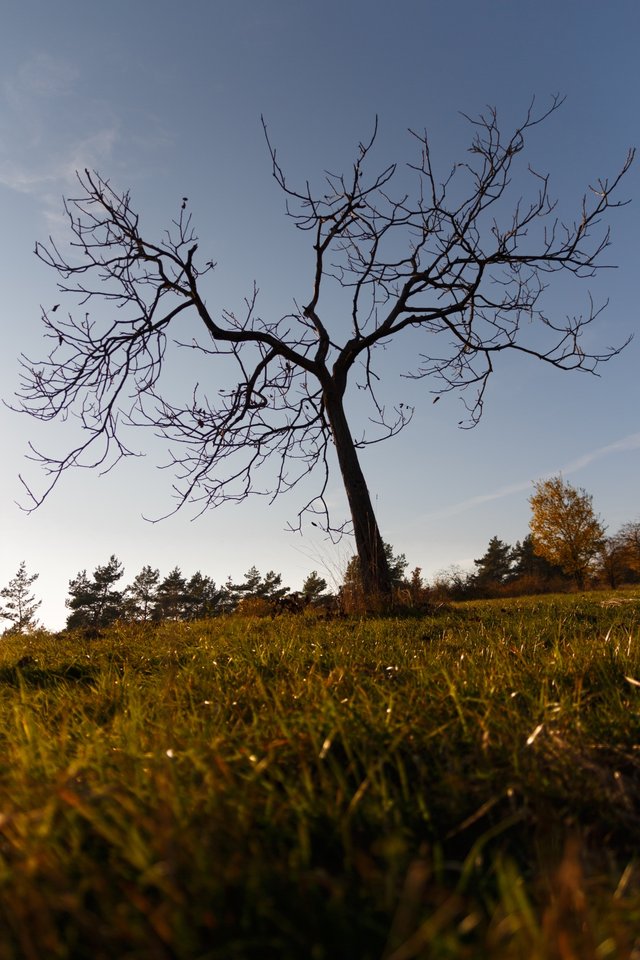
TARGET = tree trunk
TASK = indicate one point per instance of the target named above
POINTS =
(374, 570)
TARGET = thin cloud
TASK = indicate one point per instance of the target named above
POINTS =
(631, 442)
(49, 130)
(472, 502)
(40, 77)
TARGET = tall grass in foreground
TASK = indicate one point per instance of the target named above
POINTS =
(463, 785)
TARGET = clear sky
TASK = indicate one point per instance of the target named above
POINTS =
(165, 99)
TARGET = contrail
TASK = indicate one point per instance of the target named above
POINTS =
(632, 442)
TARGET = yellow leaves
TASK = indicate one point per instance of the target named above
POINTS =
(564, 527)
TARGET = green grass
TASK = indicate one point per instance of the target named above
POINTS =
(461, 785)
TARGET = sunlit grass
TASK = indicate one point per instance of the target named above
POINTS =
(460, 785)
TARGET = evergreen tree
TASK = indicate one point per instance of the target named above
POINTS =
(202, 599)
(20, 605)
(271, 587)
(396, 564)
(249, 588)
(417, 587)
(140, 596)
(96, 603)
(314, 586)
(525, 562)
(352, 591)
(81, 601)
(256, 586)
(170, 597)
(495, 566)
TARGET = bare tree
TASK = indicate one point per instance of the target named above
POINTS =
(448, 261)
(629, 538)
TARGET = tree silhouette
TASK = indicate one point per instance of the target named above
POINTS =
(170, 601)
(255, 586)
(527, 563)
(202, 598)
(612, 561)
(448, 262)
(21, 604)
(140, 596)
(354, 590)
(494, 567)
(629, 537)
(95, 603)
(314, 586)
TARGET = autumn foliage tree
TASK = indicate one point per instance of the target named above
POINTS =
(564, 527)
(451, 260)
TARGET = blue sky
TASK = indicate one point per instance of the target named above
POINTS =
(165, 99)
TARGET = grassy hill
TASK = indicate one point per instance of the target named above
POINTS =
(460, 785)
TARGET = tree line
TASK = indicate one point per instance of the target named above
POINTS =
(98, 600)
(566, 547)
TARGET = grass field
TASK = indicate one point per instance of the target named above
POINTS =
(465, 785)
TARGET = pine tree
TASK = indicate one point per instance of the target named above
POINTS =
(353, 595)
(314, 586)
(256, 586)
(249, 588)
(397, 566)
(140, 596)
(202, 599)
(525, 562)
(418, 589)
(271, 587)
(21, 605)
(96, 603)
(81, 601)
(495, 566)
(170, 597)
